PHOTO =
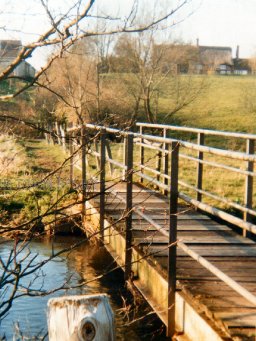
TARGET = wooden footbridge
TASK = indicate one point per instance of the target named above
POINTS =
(177, 213)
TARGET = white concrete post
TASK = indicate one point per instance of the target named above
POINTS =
(80, 318)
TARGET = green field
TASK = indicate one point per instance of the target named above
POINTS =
(224, 103)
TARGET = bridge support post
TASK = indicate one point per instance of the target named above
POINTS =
(128, 219)
(172, 237)
(102, 181)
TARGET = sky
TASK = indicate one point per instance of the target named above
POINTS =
(222, 23)
(213, 22)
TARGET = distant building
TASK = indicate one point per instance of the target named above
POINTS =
(242, 66)
(215, 59)
(9, 50)
(177, 58)
(195, 59)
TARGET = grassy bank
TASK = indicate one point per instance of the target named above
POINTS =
(23, 197)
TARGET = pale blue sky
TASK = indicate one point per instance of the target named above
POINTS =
(214, 22)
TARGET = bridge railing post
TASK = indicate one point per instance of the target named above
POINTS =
(128, 219)
(102, 180)
(165, 160)
(97, 158)
(71, 161)
(124, 157)
(172, 251)
(109, 155)
(248, 195)
(142, 153)
(200, 156)
(83, 142)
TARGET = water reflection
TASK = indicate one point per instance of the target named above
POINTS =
(86, 263)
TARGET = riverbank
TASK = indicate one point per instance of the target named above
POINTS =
(34, 188)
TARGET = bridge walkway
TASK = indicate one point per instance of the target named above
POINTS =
(229, 314)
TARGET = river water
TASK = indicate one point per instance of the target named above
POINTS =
(86, 263)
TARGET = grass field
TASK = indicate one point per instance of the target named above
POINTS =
(225, 103)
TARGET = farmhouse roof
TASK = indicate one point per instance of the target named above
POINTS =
(217, 48)
(215, 55)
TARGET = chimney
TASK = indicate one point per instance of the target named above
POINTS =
(197, 42)
(237, 52)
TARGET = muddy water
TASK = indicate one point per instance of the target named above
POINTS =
(85, 263)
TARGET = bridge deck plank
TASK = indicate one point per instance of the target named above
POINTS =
(230, 252)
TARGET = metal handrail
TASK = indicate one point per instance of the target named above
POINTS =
(211, 150)
(163, 152)
(197, 130)
(151, 143)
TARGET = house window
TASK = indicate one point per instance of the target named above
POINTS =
(223, 67)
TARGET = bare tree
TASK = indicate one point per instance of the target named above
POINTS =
(65, 28)
(149, 69)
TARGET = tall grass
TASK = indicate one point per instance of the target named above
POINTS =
(12, 156)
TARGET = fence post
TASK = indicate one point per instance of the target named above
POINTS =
(71, 162)
(128, 219)
(142, 150)
(63, 138)
(83, 141)
(172, 237)
(102, 180)
(200, 156)
(58, 133)
(248, 197)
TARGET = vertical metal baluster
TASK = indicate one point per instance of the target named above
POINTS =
(142, 153)
(166, 161)
(200, 156)
(102, 181)
(83, 141)
(172, 238)
(124, 157)
(248, 195)
(128, 234)
(71, 161)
